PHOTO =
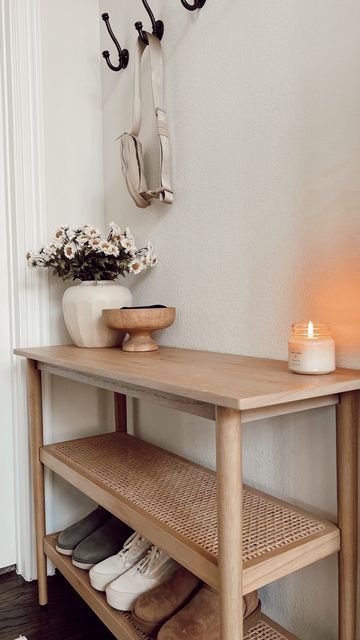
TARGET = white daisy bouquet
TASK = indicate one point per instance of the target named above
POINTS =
(82, 254)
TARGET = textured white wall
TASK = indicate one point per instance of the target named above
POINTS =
(263, 101)
(74, 195)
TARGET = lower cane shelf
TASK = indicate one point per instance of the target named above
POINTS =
(172, 501)
(120, 624)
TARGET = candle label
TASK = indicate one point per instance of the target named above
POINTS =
(295, 357)
(313, 357)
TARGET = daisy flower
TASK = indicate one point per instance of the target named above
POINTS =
(93, 232)
(60, 233)
(114, 251)
(69, 251)
(106, 247)
(136, 266)
(146, 258)
(128, 244)
(95, 243)
(115, 230)
(82, 240)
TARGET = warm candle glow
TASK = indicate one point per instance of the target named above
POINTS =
(310, 330)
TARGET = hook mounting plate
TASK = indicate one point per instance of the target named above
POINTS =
(198, 4)
(158, 30)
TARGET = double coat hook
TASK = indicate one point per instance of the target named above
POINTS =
(198, 4)
(157, 25)
(123, 53)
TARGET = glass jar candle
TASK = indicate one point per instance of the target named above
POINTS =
(311, 348)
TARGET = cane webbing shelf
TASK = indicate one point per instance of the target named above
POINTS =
(121, 624)
(173, 502)
(266, 629)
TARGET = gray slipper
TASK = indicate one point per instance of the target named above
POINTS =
(103, 543)
(69, 539)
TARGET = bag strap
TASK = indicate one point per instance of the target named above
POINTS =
(164, 192)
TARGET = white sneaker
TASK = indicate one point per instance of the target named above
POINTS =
(106, 571)
(149, 572)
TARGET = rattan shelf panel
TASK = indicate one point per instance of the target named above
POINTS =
(266, 629)
(173, 502)
(121, 624)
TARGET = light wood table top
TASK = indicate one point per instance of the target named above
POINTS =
(238, 382)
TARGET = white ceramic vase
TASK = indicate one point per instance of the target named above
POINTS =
(82, 307)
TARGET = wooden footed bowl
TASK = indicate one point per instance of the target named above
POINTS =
(139, 324)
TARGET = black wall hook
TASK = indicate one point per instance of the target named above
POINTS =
(198, 4)
(157, 25)
(123, 53)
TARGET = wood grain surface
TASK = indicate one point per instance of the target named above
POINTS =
(237, 382)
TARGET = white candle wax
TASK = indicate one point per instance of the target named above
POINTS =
(311, 349)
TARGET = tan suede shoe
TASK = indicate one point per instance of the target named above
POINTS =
(200, 619)
(154, 608)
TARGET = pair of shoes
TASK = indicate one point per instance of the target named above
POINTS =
(137, 568)
(134, 549)
(200, 619)
(154, 608)
(92, 538)
(183, 609)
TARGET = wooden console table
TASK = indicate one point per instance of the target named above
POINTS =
(198, 517)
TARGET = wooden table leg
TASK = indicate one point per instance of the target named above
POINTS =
(120, 412)
(347, 481)
(36, 436)
(229, 487)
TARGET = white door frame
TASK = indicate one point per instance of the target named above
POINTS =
(7, 498)
(21, 111)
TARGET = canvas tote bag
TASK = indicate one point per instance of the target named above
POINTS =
(131, 149)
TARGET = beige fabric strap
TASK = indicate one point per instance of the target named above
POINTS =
(133, 168)
(164, 192)
(139, 50)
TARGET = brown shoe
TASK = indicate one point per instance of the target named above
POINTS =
(156, 606)
(200, 619)
(251, 606)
